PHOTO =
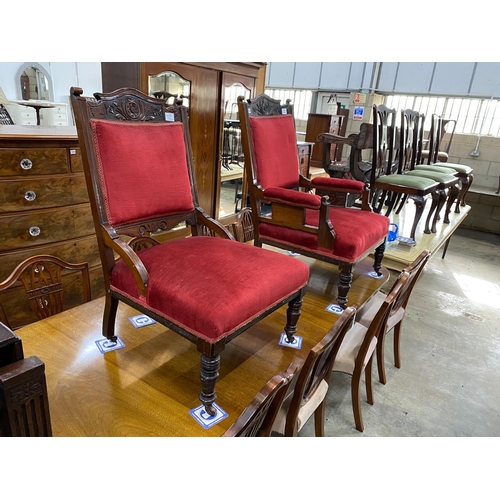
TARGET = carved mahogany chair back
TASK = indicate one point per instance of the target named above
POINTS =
(42, 278)
(308, 394)
(258, 417)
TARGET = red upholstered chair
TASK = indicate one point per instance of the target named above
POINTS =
(316, 224)
(139, 172)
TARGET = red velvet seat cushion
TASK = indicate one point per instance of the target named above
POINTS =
(143, 169)
(275, 147)
(356, 232)
(212, 286)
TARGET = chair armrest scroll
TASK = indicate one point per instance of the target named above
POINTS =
(336, 139)
(113, 241)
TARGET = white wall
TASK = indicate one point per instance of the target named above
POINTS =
(64, 75)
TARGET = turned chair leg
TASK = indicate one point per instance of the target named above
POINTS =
(209, 373)
(292, 317)
(108, 320)
(345, 281)
(378, 257)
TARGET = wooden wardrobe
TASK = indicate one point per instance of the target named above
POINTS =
(208, 107)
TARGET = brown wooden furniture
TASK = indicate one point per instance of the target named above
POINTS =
(41, 277)
(447, 127)
(355, 167)
(464, 173)
(308, 395)
(304, 151)
(211, 96)
(153, 381)
(385, 185)
(258, 417)
(24, 404)
(44, 208)
(395, 318)
(139, 172)
(355, 355)
(303, 222)
(447, 189)
(317, 124)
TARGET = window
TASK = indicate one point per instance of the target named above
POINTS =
(301, 100)
(473, 116)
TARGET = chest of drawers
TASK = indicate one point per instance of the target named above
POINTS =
(44, 208)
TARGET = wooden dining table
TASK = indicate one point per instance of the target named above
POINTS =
(148, 387)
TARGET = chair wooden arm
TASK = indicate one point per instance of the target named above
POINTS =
(113, 241)
(322, 187)
(288, 212)
(212, 224)
(327, 138)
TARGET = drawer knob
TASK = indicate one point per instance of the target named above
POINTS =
(26, 164)
(29, 195)
(34, 231)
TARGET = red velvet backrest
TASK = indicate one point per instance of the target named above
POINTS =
(143, 169)
(275, 148)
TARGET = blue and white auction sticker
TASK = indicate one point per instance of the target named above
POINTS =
(205, 419)
(296, 343)
(373, 274)
(335, 309)
(106, 345)
(141, 320)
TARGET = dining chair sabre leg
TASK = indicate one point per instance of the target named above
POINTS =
(369, 381)
(319, 420)
(108, 321)
(397, 343)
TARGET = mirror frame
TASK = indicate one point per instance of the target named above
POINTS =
(40, 68)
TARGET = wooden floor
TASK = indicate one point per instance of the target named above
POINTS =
(148, 387)
(398, 256)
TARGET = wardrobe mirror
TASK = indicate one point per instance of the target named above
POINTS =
(169, 86)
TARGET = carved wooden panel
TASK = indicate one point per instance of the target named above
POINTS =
(24, 403)
(15, 302)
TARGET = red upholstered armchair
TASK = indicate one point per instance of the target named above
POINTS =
(139, 172)
(315, 221)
